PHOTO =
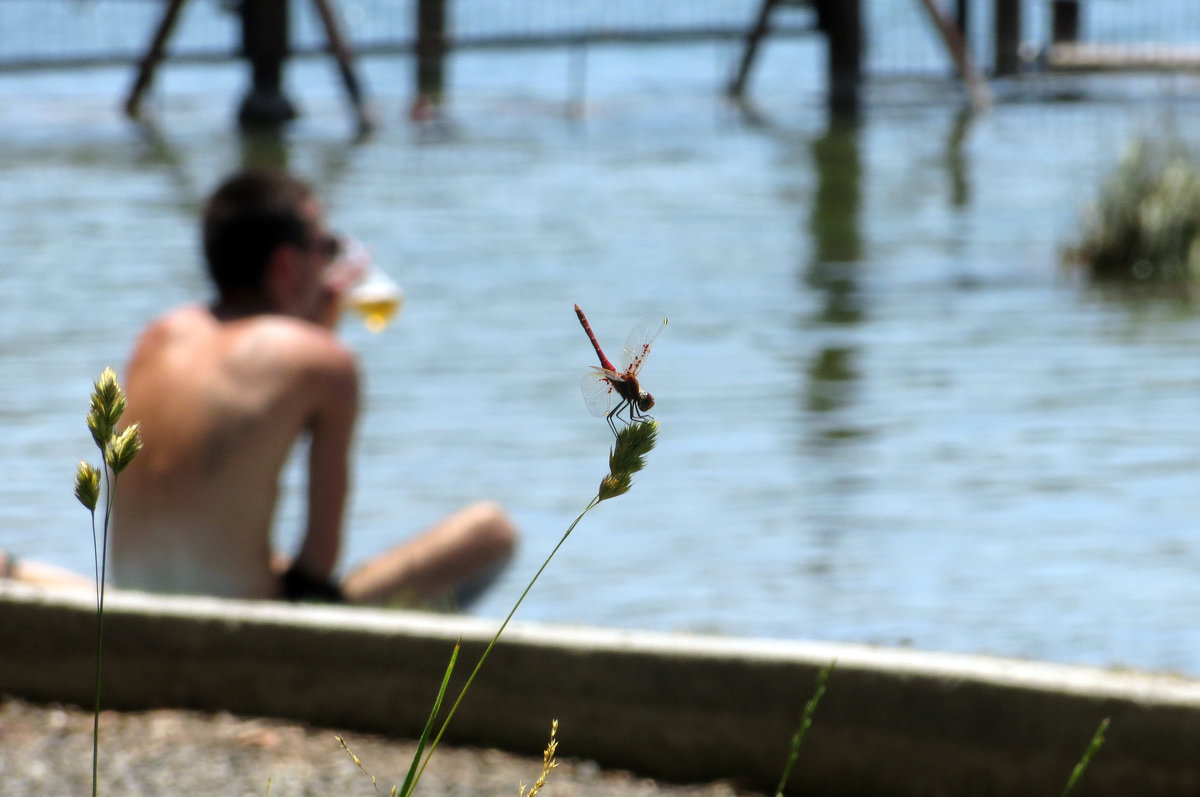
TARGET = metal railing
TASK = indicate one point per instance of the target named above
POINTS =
(45, 34)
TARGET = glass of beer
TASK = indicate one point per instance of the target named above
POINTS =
(376, 296)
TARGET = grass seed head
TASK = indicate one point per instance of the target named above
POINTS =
(628, 456)
(107, 406)
(549, 762)
(122, 448)
(87, 485)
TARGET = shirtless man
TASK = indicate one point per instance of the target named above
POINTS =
(223, 392)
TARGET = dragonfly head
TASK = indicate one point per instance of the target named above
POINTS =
(645, 401)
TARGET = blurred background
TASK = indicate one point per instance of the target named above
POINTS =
(888, 413)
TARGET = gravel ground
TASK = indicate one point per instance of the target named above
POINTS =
(48, 750)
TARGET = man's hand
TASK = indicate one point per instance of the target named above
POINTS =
(341, 275)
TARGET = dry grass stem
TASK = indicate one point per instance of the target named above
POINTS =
(358, 763)
(549, 762)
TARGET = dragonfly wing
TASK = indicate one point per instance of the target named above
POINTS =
(598, 391)
(638, 344)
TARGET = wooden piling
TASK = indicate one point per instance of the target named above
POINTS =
(1008, 37)
(153, 57)
(841, 21)
(431, 48)
(762, 24)
(1064, 21)
(265, 45)
(956, 46)
(339, 45)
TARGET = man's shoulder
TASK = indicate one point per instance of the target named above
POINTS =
(181, 323)
(183, 316)
(305, 346)
(300, 334)
(265, 343)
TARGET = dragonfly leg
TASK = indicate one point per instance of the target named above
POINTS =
(615, 414)
(636, 415)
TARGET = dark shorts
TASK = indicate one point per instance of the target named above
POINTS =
(298, 585)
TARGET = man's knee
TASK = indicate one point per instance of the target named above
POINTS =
(493, 529)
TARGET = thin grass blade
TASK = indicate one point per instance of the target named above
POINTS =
(1081, 767)
(410, 780)
(810, 708)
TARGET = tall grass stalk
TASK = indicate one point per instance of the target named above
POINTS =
(1092, 748)
(810, 708)
(626, 458)
(117, 450)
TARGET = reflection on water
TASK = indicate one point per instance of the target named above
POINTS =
(833, 269)
(885, 416)
(264, 149)
(956, 160)
(830, 380)
(834, 222)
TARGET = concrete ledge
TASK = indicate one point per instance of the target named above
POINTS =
(688, 708)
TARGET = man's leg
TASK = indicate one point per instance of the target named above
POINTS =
(456, 554)
(40, 573)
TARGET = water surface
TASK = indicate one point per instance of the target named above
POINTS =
(887, 416)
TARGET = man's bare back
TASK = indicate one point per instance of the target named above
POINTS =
(222, 394)
(220, 403)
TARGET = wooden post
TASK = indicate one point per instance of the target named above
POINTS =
(152, 58)
(340, 47)
(1064, 21)
(762, 24)
(981, 95)
(841, 21)
(431, 57)
(265, 45)
(1008, 37)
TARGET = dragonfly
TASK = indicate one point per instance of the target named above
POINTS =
(609, 389)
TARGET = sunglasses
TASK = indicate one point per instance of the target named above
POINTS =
(328, 246)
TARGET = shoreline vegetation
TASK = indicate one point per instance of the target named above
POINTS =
(1143, 228)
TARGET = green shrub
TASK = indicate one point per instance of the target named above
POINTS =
(1144, 228)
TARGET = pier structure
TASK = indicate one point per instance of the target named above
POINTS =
(266, 46)
(840, 21)
(1009, 35)
(1066, 51)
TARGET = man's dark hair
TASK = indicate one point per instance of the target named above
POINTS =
(246, 219)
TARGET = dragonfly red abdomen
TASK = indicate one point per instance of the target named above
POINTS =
(604, 385)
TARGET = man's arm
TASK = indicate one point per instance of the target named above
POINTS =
(335, 393)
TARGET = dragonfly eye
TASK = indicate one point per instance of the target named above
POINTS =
(645, 402)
